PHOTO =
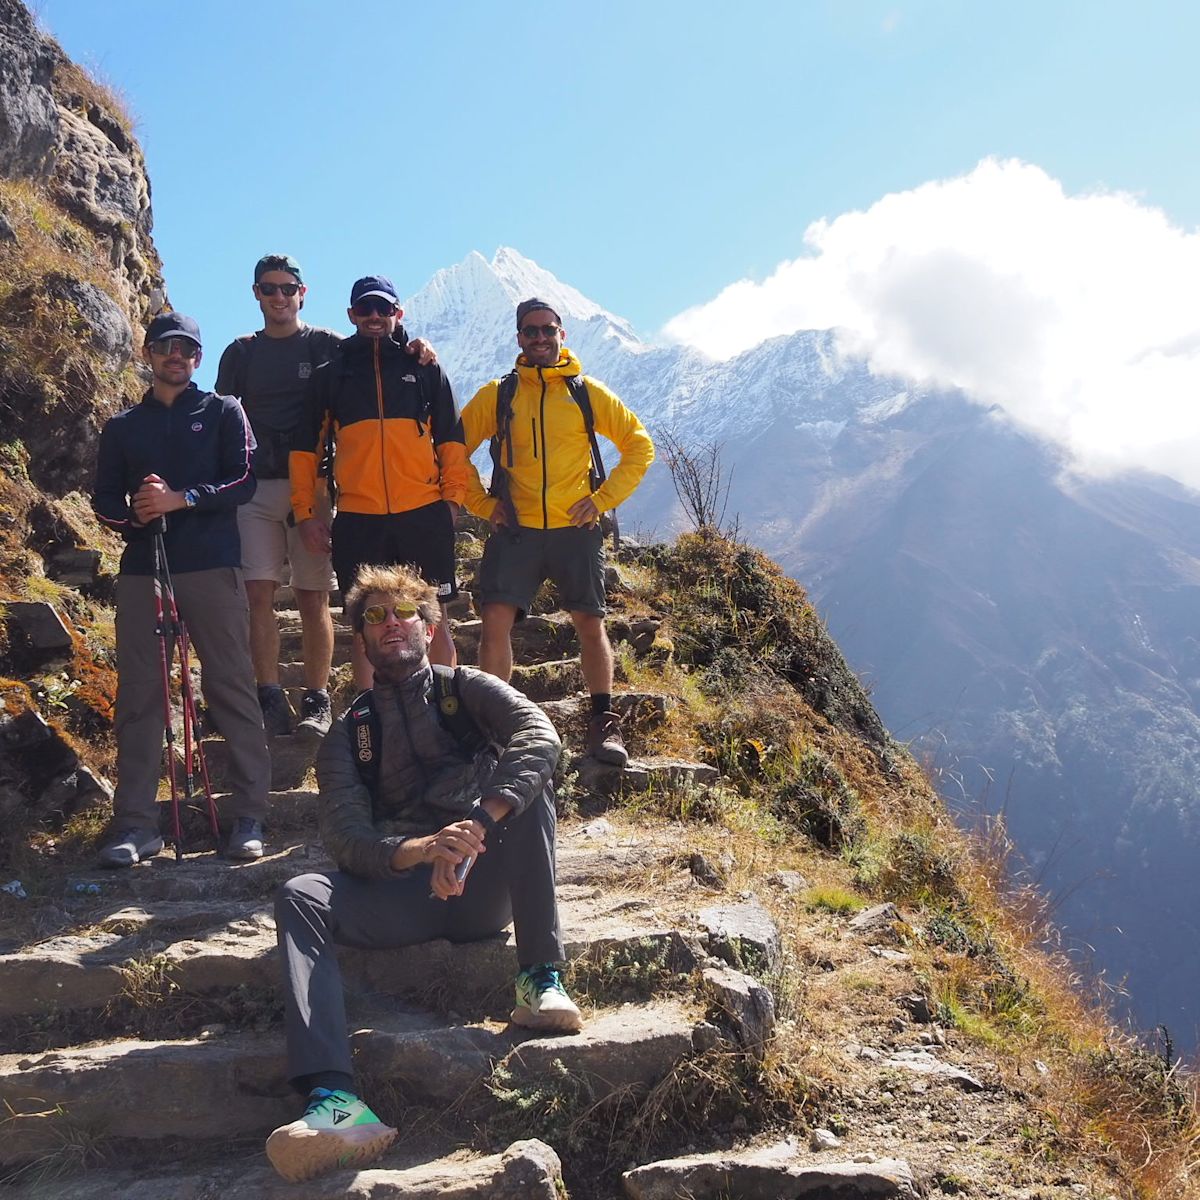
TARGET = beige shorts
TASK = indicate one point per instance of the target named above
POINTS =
(270, 540)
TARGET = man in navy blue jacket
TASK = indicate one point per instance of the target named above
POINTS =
(183, 455)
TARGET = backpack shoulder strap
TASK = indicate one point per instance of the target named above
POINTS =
(506, 389)
(245, 344)
(577, 386)
(453, 713)
(365, 739)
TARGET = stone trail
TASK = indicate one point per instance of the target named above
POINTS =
(431, 1029)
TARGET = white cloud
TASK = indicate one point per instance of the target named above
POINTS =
(1080, 315)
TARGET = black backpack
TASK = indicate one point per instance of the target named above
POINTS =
(365, 734)
(506, 389)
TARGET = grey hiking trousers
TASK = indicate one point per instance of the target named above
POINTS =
(213, 607)
(513, 881)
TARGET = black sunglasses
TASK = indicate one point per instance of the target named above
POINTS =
(288, 289)
(373, 304)
(532, 331)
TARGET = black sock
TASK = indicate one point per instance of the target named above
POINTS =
(601, 702)
(333, 1081)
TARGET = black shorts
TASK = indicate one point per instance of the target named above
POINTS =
(421, 538)
(515, 564)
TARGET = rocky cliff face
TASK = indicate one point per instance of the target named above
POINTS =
(79, 277)
(78, 269)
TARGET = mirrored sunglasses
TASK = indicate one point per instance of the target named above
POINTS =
(165, 347)
(377, 613)
(288, 289)
(532, 331)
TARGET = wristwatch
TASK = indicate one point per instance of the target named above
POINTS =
(190, 497)
(485, 818)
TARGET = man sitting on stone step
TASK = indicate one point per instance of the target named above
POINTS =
(182, 455)
(545, 502)
(435, 804)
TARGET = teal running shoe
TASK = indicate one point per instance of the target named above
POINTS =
(542, 1001)
(337, 1130)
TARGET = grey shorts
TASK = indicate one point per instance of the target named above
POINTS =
(516, 563)
(270, 539)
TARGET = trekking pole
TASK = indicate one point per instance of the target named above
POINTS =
(165, 608)
(192, 742)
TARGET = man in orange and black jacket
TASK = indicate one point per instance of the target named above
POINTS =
(400, 464)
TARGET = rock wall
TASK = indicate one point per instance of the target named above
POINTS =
(78, 270)
(79, 278)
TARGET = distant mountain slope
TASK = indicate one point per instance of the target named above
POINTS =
(1023, 627)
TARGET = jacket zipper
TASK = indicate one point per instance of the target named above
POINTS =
(545, 481)
(533, 426)
(387, 499)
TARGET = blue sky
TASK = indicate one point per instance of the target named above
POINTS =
(649, 154)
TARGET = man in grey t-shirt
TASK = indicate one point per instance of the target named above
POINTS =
(269, 372)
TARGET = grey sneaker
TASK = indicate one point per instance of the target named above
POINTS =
(246, 840)
(316, 713)
(543, 1003)
(129, 846)
(277, 714)
(604, 741)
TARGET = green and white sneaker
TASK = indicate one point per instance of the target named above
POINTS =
(542, 1002)
(337, 1130)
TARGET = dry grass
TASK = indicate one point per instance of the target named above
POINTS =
(92, 96)
(979, 937)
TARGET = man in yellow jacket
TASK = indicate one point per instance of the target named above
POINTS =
(545, 503)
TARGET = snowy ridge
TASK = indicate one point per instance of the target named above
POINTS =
(467, 311)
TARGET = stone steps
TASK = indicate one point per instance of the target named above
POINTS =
(292, 757)
(146, 1091)
(210, 945)
(526, 1170)
(631, 1047)
(553, 680)
(430, 1021)
(654, 773)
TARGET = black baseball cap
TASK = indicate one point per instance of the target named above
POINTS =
(277, 262)
(528, 306)
(373, 285)
(172, 324)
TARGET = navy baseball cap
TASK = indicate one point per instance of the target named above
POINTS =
(277, 262)
(373, 285)
(528, 306)
(172, 324)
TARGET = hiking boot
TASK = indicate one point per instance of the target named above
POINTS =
(246, 840)
(129, 846)
(604, 741)
(316, 713)
(542, 1002)
(337, 1130)
(277, 715)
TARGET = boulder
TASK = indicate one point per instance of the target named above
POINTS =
(878, 919)
(106, 325)
(768, 1173)
(743, 1005)
(28, 114)
(743, 935)
(45, 638)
